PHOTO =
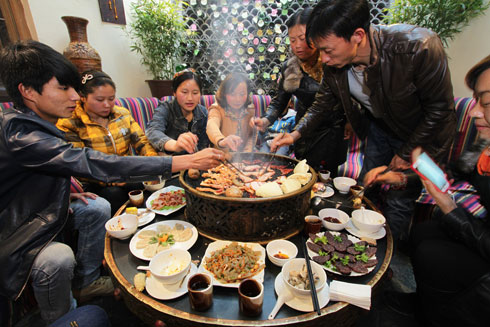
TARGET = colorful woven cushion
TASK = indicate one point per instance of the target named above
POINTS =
(141, 108)
(75, 186)
(5, 105)
(466, 132)
(355, 156)
(261, 102)
(465, 199)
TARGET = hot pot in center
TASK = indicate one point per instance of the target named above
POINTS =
(248, 219)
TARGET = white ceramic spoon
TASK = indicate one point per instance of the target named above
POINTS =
(143, 267)
(281, 299)
(363, 214)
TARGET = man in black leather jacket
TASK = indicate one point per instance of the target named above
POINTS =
(392, 83)
(36, 164)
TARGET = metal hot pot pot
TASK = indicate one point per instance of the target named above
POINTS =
(248, 219)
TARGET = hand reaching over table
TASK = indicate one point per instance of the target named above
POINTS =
(185, 142)
(231, 141)
(282, 139)
(202, 160)
(260, 123)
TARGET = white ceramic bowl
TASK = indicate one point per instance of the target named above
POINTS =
(149, 186)
(370, 223)
(283, 246)
(343, 184)
(122, 226)
(336, 213)
(170, 266)
(297, 264)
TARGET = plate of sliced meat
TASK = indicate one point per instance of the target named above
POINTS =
(167, 200)
(341, 253)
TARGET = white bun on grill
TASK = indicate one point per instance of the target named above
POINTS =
(302, 167)
(269, 189)
(290, 185)
(303, 178)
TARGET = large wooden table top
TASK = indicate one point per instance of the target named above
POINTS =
(225, 312)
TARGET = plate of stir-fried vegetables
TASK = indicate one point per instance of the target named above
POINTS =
(231, 262)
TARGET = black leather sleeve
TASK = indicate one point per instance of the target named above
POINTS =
(474, 233)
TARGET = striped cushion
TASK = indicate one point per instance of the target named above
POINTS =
(141, 108)
(75, 186)
(5, 105)
(261, 102)
(466, 132)
(208, 100)
(470, 202)
(355, 156)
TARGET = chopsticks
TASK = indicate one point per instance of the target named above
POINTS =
(273, 154)
(314, 295)
(227, 163)
(360, 194)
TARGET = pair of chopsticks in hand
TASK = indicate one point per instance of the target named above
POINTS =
(227, 163)
(273, 153)
(360, 194)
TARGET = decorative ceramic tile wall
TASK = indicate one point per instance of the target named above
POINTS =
(249, 36)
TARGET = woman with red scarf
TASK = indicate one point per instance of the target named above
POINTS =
(451, 254)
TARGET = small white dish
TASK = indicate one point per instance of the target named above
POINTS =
(122, 227)
(170, 291)
(334, 213)
(283, 246)
(356, 232)
(304, 304)
(343, 184)
(327, 193)
(368, 221)
(147, 217)
(153, 185)
(171, 265)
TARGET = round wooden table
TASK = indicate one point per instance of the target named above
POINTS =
(225, 312)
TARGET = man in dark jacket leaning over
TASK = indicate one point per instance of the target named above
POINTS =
(392, 83)
(36, 164)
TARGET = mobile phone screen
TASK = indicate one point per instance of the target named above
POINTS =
(428, 169)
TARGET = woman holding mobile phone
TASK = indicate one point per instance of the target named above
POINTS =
(451, 254)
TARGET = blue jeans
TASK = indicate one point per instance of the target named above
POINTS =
(88, 315)
(51, 275)
(380, 148)
(55, 266)
(89, 220)
(284, 150)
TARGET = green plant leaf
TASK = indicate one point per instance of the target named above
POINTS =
(157, 33)
(445, 17)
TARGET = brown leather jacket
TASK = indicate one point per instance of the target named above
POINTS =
(410, 87)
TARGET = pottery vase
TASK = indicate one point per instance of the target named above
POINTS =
(79, 51)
